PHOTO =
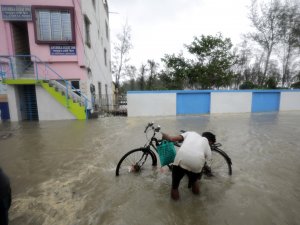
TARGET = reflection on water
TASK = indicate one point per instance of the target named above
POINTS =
(63, 172)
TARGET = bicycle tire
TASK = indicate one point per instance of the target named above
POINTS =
(135, 161)
(220, 164)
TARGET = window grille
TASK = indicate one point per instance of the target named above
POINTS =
(54, 25)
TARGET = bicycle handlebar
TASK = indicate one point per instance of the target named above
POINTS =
(156, 129)
(149, 125)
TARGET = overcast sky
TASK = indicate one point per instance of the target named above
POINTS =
(161, 27)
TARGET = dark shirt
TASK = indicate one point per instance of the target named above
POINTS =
(5, 198)
(5, 190)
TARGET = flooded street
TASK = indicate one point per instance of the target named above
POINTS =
(63, 172)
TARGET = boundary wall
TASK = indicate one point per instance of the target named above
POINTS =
(173, 103)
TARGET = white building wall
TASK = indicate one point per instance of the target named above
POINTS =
(159, 104)
(231, 102)
(13, 103)
(289, 101)
(49, 108)
(94, 55)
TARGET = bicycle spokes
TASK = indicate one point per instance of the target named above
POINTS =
(139, 164)
(135, 161)
(207, 171)
(219, 166)
(134, 168)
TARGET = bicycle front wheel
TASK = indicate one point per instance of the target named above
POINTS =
(220, 165)
(135, 161)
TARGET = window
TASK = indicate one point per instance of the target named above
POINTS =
(76, 85)
(105, 56)
(54, 25)
(87, 31)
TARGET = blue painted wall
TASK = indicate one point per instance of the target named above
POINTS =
(265, 101)
(4, 111)
(193, 103)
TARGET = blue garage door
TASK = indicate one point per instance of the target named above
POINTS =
(193, 103)
(4, 111)
(265, 101)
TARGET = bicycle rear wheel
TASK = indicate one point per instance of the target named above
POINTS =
(220, 165)
(135, 161)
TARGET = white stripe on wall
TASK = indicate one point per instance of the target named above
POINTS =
(289, 101)
(230, 102)
(158, 104)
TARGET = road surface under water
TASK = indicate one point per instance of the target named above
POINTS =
(63, 172)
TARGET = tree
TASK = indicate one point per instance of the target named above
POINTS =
(242, 65)
(214, 60)
(266, 21)
(152, 67)
(121, 54)
(289, 40)
(142, 77)
(210, 66)
(247, 85)
(131, 73)
(174, 76)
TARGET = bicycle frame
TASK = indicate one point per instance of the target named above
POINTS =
(150, 148)
(214, 147)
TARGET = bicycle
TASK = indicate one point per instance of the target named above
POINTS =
(141, 158)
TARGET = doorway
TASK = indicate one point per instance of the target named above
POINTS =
(28, 103)
(23, 66)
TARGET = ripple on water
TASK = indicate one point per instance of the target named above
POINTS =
(74, 180)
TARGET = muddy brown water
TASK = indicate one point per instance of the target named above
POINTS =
(63, 172)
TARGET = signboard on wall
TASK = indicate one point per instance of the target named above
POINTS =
(62, 50)
(16, 12)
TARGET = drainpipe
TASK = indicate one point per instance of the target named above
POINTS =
(1, 73)
(67, 93)
(36, 70)
(11, 67)
(86, 108)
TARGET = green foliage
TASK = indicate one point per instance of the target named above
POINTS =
(209, 68)
(296, 85)
(248, 85)
(271, 83)
(175, 74)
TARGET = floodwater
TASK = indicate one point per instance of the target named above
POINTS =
(63, 172)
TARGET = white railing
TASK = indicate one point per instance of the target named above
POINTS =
(31, 67)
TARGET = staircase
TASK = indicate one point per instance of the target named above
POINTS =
(30, 70)
(74, 103)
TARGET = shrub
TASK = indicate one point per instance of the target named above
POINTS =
(248, 85)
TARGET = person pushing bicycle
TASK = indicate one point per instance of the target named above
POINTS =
(190, 159)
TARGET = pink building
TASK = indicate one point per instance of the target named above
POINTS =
(55, 58)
